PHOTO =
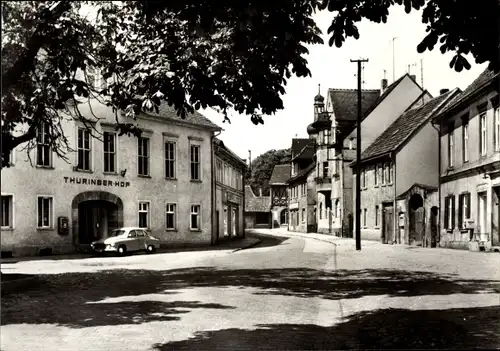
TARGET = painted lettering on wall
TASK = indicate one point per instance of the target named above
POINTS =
(98, 182)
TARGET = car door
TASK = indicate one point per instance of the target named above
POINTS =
(141, 239)
(132, 244)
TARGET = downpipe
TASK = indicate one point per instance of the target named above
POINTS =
(215, 239)
(438, 238)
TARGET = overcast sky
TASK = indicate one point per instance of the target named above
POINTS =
(331, 67)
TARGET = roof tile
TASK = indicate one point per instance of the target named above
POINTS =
(280, 174)
(196, 118)
(255, 203)
(345, 102)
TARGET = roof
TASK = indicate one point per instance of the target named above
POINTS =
(299, 143)
(197, 119)
(255, 203)
(303, 173)
(221, 144)
(387, 91)
(404, 127)
(426, 188)
(484, 78)
(280, 174)
(345, 102)
(307, 153)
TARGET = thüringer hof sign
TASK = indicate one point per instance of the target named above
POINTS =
(98, 182)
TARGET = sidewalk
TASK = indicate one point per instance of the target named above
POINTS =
(234, 245)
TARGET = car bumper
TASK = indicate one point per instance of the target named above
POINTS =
(102, 248)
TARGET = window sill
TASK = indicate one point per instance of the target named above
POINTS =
(44, 229)
(195, 180)
(195, 230)
(82, 170)
(449, 231)
(450, 168)
(376, 227)
(389, 184)
(143, 176)
(110, 173)
(7, 229)
(171, 230)
(45, 167)
(376, 186)
(171, 179)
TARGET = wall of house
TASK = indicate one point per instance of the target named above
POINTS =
(389, 109)
(25, 182)
(418, 161)
(371, 196)
(311, 202)
(470, 176)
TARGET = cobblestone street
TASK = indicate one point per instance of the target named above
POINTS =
(288, 293)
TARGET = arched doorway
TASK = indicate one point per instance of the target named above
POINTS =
(94, 215)
(284, 217)
(416, 230)
(434, 226)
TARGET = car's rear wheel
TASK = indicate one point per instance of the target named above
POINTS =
(122, 249)
(150, 249)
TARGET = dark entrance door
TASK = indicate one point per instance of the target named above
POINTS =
(96, 218)
(416, 230)
(388, 225)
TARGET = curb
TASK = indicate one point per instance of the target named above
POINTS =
(259, 241)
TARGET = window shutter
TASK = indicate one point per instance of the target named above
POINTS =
(460, 210)
(453, 212)
(446, 211)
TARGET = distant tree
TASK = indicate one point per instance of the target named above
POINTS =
(262, 168)
(225, 54)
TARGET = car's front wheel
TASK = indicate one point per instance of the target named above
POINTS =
(150, 249)
(122, 249)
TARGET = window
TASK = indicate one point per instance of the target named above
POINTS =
(382, 174)
(143, 214)
(320, 210)
(44, 212)
(325, 169)
(465, 142)
(496, 116)
(170, 160)
(463, 208)
(293, 168)
(389, 173)
(449, 212)
(43, 150)
(219, 171)
(170, 216)
(375, 178)
(376, 215)
(143, 156)
(363, 179)
(7, 211)
(326, 136)
(303, 215)
(364, 217)
(195, 217)
(451, 143)
(195, 162)
(109, 152)
(482, 134)
(84, 149)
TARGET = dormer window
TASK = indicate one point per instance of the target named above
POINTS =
(326, 136)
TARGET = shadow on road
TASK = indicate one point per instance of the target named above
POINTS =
(465, 328)
(66, 299)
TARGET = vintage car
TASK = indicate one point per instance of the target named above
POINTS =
(129, 239)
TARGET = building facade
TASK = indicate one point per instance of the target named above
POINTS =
(279, 195)
(229, 193)
(302, 201)
(470, 166)
(257, 209)
(161, 181)
(400, 176)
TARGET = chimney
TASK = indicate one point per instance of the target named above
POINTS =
(443, 91)
(414, 77)
(383, 85)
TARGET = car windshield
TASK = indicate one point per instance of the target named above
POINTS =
(116, 232)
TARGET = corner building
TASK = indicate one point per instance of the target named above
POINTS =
(161, 181)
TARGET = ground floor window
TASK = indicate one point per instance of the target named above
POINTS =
(143, 214)
(7, 211)
(303, 215)
(262, 218)
(45, 210)
(195, 217)
(170, 216)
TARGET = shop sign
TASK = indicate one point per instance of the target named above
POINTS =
(98, 182)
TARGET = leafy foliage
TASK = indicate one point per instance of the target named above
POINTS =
(224, 54)
(262, 168)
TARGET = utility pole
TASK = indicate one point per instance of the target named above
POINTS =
(358, 160)
(250, 160)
